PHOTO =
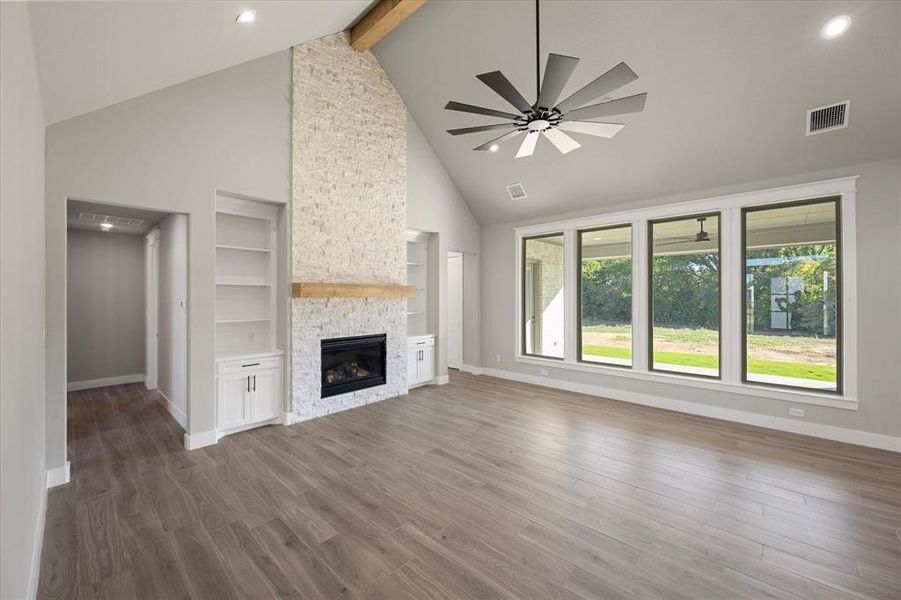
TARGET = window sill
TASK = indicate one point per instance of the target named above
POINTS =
(798, 396)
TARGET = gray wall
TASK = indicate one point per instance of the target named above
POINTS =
(434, 204)
(22, 300)
(173, 313)
(169, 151)
(105, 289)
(879, 295)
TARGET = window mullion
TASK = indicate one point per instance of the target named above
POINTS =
(570, 295)
(640, 314)
(731, 276)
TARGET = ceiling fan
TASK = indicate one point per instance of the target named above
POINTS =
(548, 117)
(700, 236)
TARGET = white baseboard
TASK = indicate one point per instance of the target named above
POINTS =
(828, 432)
(88, 384)
(177, 413)
(200, 440)
(58, 475)
(442, 379)
(35, 569)
(472, 369)
(288, 418)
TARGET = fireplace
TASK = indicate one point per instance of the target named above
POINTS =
(352, 363)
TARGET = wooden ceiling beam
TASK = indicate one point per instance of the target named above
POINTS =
(380, 20)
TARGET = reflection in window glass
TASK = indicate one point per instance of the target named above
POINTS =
(543, 296)
(791, 300)
(605, 292)
(685, 295)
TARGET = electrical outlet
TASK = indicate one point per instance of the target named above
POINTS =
(796, 412)
(498, 358)
(544, 372)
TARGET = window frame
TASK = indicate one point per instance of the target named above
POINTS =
(522, 292)
(579, 233)
(732, 265)
(839, 293)
(719, 293)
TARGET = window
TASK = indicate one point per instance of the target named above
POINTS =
(605, 295)
(792, 308)
(684, 291)
(543, 297)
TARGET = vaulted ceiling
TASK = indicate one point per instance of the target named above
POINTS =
(728, 83)
(93, 54)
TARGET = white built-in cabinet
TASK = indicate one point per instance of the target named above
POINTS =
(420, 360)
(420, 343)
(248, 392)
(249, 365)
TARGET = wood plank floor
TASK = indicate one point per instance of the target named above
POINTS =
(482, 488)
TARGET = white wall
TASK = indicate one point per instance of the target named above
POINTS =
(879, 296)
(170, 151)
(172, 348)
(105, 289)
(22, 478)
(434, 204)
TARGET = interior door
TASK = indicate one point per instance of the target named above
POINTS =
(455, 310)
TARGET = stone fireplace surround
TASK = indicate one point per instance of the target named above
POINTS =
(349, 214)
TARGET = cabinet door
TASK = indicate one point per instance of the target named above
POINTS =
(427, 364)
(412, 365)
(266, 397)
(233, 401)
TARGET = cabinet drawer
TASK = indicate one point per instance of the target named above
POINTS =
(248, 365)
(419, 342)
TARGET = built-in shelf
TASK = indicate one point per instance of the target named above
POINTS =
(250, 320)
(418, 278)
(241, 248)
(246, 267)
(251, 281)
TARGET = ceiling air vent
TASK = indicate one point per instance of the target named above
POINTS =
(96, 218)
(827, 118)
(516, 191)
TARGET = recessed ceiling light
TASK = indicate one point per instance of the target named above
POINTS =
(106, 226)
(835, 27)
(247, 16)
(493, 148)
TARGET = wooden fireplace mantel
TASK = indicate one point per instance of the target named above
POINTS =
(315, 289)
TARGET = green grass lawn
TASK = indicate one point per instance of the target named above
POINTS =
(708, 361)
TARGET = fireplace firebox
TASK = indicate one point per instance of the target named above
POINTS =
(352, 363)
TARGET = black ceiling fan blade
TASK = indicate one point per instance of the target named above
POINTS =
(478, 110)
(557, 72)
(502, 86)
(620, 106)
(480, 128)
(500, 140)
(690, 240)
(613, 79)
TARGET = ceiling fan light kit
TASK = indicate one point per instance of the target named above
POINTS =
(546, 117)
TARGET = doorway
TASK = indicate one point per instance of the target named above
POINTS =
(126, 314)
(455, 310)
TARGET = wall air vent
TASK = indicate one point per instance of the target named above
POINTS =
(95, 218)
(827, 118)
(516, 191)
